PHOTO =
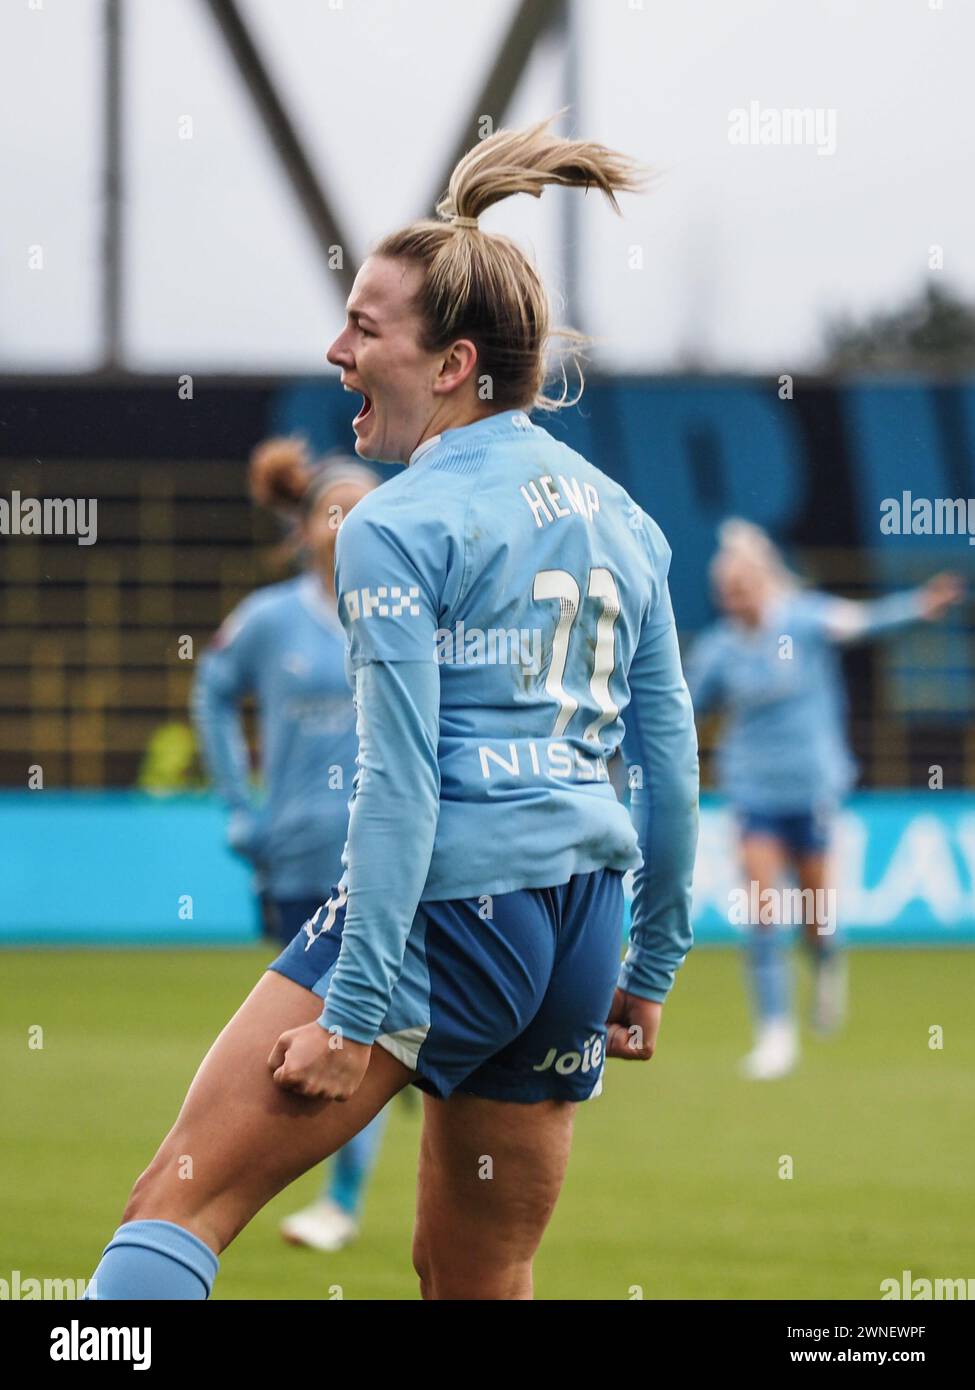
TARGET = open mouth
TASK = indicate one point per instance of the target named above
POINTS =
(366, 407)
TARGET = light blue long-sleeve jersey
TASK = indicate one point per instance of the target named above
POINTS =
(783, 749)
(507, 611)
(284, 645)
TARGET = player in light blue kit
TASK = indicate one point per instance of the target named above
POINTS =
(285, 645)
(509, 624)
(783, 759)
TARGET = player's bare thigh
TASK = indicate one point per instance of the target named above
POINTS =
(489, 1176)
(239, 1138)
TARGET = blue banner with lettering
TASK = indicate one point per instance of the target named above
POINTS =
(127, 868)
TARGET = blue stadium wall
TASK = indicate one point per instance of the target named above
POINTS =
(813, 469)
(128, 868)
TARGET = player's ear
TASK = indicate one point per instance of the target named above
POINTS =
(457, 366)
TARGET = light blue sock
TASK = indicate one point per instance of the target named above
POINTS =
(768, 974)
(353, 1163)
(154, 1260)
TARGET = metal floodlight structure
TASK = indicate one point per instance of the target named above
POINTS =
(531, 23)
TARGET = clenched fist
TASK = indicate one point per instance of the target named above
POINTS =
(320, 1065)
(632, 1029)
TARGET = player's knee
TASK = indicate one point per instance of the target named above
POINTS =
(138, 1206)
(469, 1280)
(491, 1269)
(152, 1192)
(421, 1263)
(155, 1198)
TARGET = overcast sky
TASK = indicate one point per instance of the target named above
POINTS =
(745, 247)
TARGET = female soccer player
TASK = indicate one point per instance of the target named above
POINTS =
(285, 645)
(506, 607)
(784, 763)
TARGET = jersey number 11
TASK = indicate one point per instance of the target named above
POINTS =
(560, 585)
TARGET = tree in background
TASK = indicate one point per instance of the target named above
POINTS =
(933, 332)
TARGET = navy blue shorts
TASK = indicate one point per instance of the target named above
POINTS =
(806, 833)
(281, 917)
(503, 997)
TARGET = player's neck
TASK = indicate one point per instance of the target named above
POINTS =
(452, 417)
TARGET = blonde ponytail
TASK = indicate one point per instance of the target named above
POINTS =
(529, 161)
(480, 285)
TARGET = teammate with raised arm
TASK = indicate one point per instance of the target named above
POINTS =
(509, 625)
(771, 665)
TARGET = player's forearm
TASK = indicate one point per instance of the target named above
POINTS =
(665, 813)
(702, 682)
(392, 828)
(224, 749)
(857, 621)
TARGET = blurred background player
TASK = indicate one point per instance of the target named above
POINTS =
(783, 760)
(285, 646)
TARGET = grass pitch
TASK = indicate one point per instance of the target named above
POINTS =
(673, 1190)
